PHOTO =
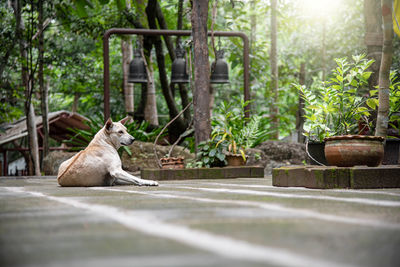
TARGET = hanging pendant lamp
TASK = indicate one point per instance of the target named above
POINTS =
(137, 69)
(219, 69)
(178, 69)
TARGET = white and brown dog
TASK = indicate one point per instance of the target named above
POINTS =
(99, 164)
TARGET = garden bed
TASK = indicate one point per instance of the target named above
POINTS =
(203, 173)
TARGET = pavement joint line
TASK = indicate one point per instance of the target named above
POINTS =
(382, 203)
(220, 245)
(305, 189)
(268, 206)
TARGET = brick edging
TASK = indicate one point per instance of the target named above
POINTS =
(329, 177)
(203, 173)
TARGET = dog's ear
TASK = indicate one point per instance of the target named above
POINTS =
(109, 124)
(124, 120)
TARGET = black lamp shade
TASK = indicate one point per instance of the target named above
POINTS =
(178, 69)
(137, 69)
(219, 69)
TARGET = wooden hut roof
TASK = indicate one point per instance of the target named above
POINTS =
(59, 124)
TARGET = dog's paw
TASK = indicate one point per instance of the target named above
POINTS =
(151, 183)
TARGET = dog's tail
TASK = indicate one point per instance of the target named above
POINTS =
(69, 166)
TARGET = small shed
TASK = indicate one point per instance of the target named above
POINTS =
(60, 123)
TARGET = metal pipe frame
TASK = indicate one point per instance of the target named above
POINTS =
(127, 31)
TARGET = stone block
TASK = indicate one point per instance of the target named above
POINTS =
(237, 172)
(210, 173)
(328, 177)
(387, 176)
(151, 174)
(288, 176)
(257, 172)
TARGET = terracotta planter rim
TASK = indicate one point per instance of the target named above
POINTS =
(351, 137)
(171, 158)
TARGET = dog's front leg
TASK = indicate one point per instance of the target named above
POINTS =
(122, 177)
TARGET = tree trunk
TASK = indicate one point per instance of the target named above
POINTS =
(373, 40)
(27, 83)
(183, 91)
(75, 104)
(163, 25)
(126, 48)
(150, 110)
(253, 29)
(43, 89)
(179, 22)
(323, 52)
(139, 21)
(178, 126)
(274, 71)
(33, 140)
(300, 109)
(384, 71)
(148, 105)
(201, 94)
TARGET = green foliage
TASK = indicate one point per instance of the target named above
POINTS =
(74, 63)
(394, 100)
(234, 130)
(334, 108)
(211, 153)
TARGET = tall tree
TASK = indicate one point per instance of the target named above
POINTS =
(373, 39)
(300, 110)
(42, 87)
(126, 48)
(27, 77)
(182, 88)
(384, 71)
(201, 94)
(179, 125)
(323, 49)
(274, 70)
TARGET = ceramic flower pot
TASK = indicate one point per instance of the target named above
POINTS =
(352, 150)
(235, 160)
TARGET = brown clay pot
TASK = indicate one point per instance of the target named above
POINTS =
(352, 150)
(235, 160)
(172, 163)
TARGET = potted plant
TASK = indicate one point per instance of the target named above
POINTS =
(236, 132)
(337, 115)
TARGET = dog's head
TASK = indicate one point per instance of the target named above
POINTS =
(117, 132)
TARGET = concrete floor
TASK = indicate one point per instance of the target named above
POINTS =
(240, 222)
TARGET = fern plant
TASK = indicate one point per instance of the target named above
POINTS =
(235, 131)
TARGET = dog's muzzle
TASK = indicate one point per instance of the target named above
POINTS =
(128, 142)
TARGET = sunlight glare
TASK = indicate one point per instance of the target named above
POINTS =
(320, 8)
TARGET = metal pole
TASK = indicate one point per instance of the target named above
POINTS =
(122, 31)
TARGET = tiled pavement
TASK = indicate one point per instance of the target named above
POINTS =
(229, 222)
